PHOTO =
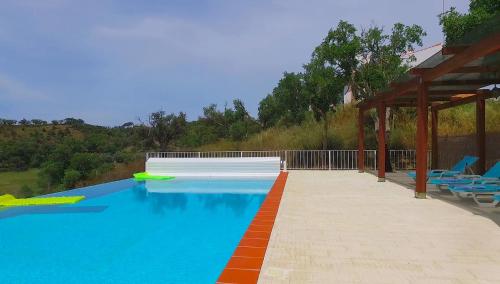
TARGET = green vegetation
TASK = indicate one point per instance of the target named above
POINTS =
(307, 135)
(457, 26)
(304, 111)
(343, 135)
(461, 120)
(22, 184)
(231, 123)
(365, 63)
(66, 153)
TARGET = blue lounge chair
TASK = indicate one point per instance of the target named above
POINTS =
(458, 168)
(492, 174)
(482, 191)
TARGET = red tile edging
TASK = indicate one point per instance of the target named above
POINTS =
(244, 266)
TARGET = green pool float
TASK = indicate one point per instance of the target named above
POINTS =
(146, 176)
(9, 200)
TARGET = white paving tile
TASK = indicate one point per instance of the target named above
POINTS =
(345, 227)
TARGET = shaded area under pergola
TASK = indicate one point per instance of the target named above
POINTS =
(458, 74)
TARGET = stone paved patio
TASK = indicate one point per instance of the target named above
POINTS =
(345, 227)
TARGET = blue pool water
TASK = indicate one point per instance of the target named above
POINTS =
(127, 232)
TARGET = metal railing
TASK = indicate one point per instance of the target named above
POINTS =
(406, 159)
(309, 159)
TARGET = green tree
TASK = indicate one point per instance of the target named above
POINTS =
(216, 120)
(456, 25)
(287, 104)
(27, 191)
(330, 69)
(84, 163)
(269, 111)
(166, 127)
(38, 122)
(24, 122)
(51, 174)
(384, 57)
(73, 121)
(71, 177)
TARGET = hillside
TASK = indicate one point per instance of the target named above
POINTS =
(43, 158)
(54, 157)
(343, 127)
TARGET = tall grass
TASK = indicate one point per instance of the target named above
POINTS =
(461, 120)
(343, 130)
(342, 134)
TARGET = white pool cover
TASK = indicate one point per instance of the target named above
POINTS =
(214, 167)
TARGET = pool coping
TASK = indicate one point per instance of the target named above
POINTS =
(247, 259)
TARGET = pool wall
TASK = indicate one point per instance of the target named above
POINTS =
(246, 261)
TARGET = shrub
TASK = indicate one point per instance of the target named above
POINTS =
(71, 177)
(26, 191)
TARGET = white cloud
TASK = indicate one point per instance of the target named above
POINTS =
(182, 54)
(259, 37)
(255, 42)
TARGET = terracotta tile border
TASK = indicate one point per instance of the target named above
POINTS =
(244, 266)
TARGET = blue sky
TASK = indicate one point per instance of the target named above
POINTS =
(110, 62)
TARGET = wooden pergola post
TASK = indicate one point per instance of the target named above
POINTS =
(422, 133)
(361, 141)
(381, 141)
(434, 138)
(480, 135)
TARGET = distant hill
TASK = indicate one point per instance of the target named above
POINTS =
(68, 155)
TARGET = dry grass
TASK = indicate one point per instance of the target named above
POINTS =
(461, 120)
(120, 171)
(342, 134)
(344, 128)
(13, 182)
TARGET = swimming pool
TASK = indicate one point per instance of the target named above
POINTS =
(128, 232)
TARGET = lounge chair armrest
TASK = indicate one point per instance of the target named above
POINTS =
(437, 171)
(443, 173)
(487, 181)
(469, 176)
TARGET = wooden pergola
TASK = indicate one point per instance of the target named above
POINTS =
(456, 75)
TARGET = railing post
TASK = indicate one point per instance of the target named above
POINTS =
(286, 161)
(241, 154)
(329, 160)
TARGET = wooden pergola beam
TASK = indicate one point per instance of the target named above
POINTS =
(463, 55)
(449, 50)
(461, 70)
(386, 96)
(484, 47)
(405, 86)
(465, 82)
(483, 95)
(434, 97)
(476, 69)
(458, 92)
(436, 101)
